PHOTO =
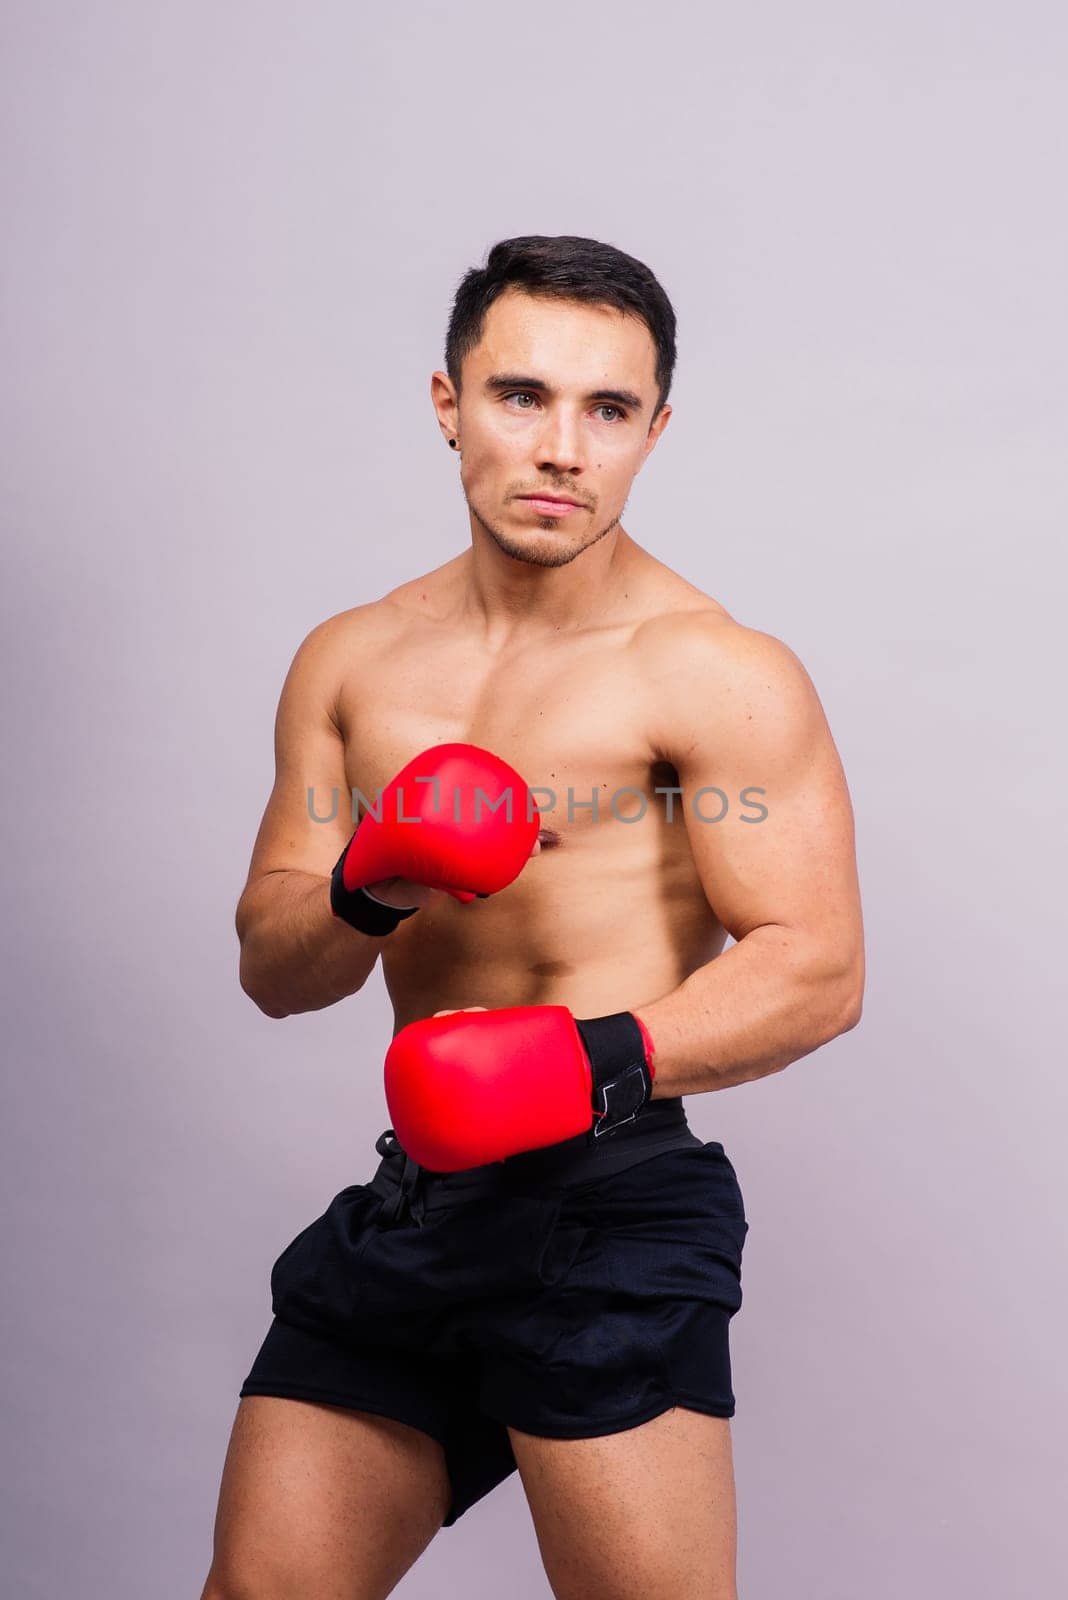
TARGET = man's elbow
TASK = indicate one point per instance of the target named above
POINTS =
(850, 990)
(834, 986)
(260, 998)
(851, 1015)
(273, 1012)
(262, 1003)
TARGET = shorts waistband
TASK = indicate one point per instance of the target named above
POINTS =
(410, 1188)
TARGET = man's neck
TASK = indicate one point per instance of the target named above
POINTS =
(507, 596)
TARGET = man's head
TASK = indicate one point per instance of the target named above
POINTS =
(559, 358)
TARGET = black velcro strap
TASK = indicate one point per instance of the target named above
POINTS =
(359, 909)
(622, 1083)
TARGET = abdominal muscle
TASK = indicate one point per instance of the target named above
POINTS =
(594, 937)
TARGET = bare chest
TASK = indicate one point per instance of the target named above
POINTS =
(572, 717)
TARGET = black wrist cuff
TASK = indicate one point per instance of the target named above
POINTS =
(359, 909)
(622, 1082)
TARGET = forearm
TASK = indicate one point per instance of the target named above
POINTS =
(767, 1001)
(295, 954)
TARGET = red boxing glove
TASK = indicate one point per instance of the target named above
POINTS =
(479, 1086)
(455, 818)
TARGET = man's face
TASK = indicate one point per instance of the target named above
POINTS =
(557, 398)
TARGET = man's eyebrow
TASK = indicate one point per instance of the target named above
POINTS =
(500, 381)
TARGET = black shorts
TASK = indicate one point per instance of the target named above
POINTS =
(567, 1300)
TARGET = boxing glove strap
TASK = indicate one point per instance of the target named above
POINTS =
(359, 908)
(621, 1066)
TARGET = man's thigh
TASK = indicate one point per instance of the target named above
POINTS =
(649, 1512)
(322, 1502)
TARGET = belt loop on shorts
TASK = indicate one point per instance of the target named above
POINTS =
(409, 1199)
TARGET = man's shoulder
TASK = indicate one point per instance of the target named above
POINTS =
(699, 634)
(332, 645)
(378, 622)
(710, 680)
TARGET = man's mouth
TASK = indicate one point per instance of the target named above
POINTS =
(550, 500)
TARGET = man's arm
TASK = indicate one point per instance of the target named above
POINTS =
(295, 954)
(739, 710)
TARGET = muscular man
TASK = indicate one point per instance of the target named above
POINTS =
(563, 1310)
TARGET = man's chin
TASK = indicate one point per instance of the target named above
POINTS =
(541, 547)
(549, 553)
(536, 549)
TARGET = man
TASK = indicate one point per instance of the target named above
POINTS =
(561, 1303)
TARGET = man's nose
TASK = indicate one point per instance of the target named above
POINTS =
(559, 446)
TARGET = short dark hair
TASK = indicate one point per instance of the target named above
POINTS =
(564, 268)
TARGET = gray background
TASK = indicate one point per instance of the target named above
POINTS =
(232, 235)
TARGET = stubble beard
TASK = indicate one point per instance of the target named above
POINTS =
(538, 557)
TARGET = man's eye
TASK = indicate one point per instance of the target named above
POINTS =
(525, 394)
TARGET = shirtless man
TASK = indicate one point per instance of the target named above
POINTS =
(572, 653)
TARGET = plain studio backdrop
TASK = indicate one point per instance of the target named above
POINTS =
(232, 236)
